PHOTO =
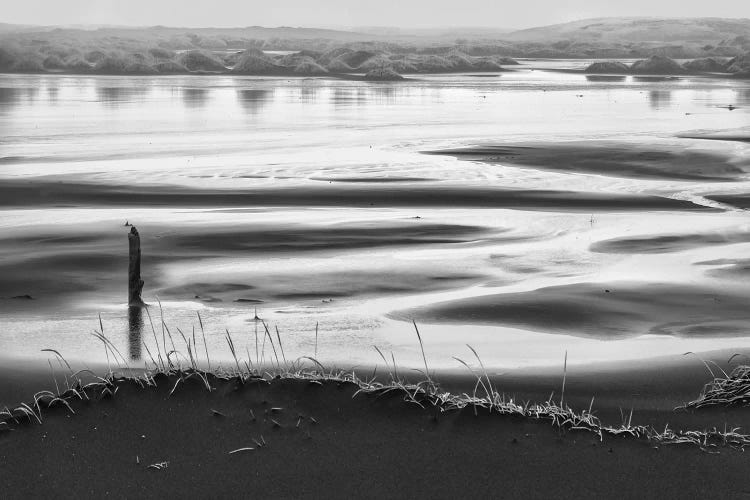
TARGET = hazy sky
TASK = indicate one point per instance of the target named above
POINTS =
(343, 13)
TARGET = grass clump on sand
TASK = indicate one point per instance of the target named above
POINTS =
(731, 389)
(168, 365)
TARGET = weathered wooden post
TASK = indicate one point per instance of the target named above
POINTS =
(135, 283)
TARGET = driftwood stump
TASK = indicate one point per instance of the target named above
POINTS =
(135, 283)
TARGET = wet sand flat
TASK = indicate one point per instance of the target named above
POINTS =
(16, 194)
(337, 218)
(53, 265)
(654, 161)
(667, 243)
(741, 200)
(601, 310)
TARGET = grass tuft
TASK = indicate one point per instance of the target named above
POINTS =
(728, 389)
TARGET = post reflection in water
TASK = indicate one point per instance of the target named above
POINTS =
(659, 99)
(135, 331)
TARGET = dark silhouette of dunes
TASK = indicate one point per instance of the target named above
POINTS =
(657, 65)
(170, 67)
(254, 64)
(608, 67)
(662, 65)
(196, 60)
(383, 75)
(706, 64)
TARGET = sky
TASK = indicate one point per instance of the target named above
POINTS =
(353, 13)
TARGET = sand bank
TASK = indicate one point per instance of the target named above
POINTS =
(601, 310)
(668, 243)
(321, 441)
(41, 193)
(655, 161)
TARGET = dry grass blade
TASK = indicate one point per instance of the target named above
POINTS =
(281, 347)
(60, 358)
(203, 332)
(275, 354)
(316, 340)
(565, 375)
(247, 448)
(421, 346)
(486, 375)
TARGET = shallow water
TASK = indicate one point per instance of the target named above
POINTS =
(349, 267)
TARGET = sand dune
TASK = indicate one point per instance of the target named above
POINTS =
(599, 310)
(615, 159)
(328, 441)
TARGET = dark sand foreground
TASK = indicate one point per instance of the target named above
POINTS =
(330, 444)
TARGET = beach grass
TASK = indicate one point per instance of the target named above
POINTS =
(172, 366)
(727, 389)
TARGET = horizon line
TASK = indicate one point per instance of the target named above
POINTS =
(353, 29)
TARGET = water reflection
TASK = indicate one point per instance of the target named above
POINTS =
(651, 79)
(743, 96)
(659, 99)
(384, 93)
(17, 95)
(254, 100)
(308, 94)
(52, 94)
(135, 332)
(115, 96)
(194, 97)
(346, 97)
(605, 78)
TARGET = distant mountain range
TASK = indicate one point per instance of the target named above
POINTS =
(605, 30)
(637, 30)
(25, 47)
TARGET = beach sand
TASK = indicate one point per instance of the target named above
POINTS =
(655, 161)
(365, 446)
(601, 310)
(57, 265)
(63, 193)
